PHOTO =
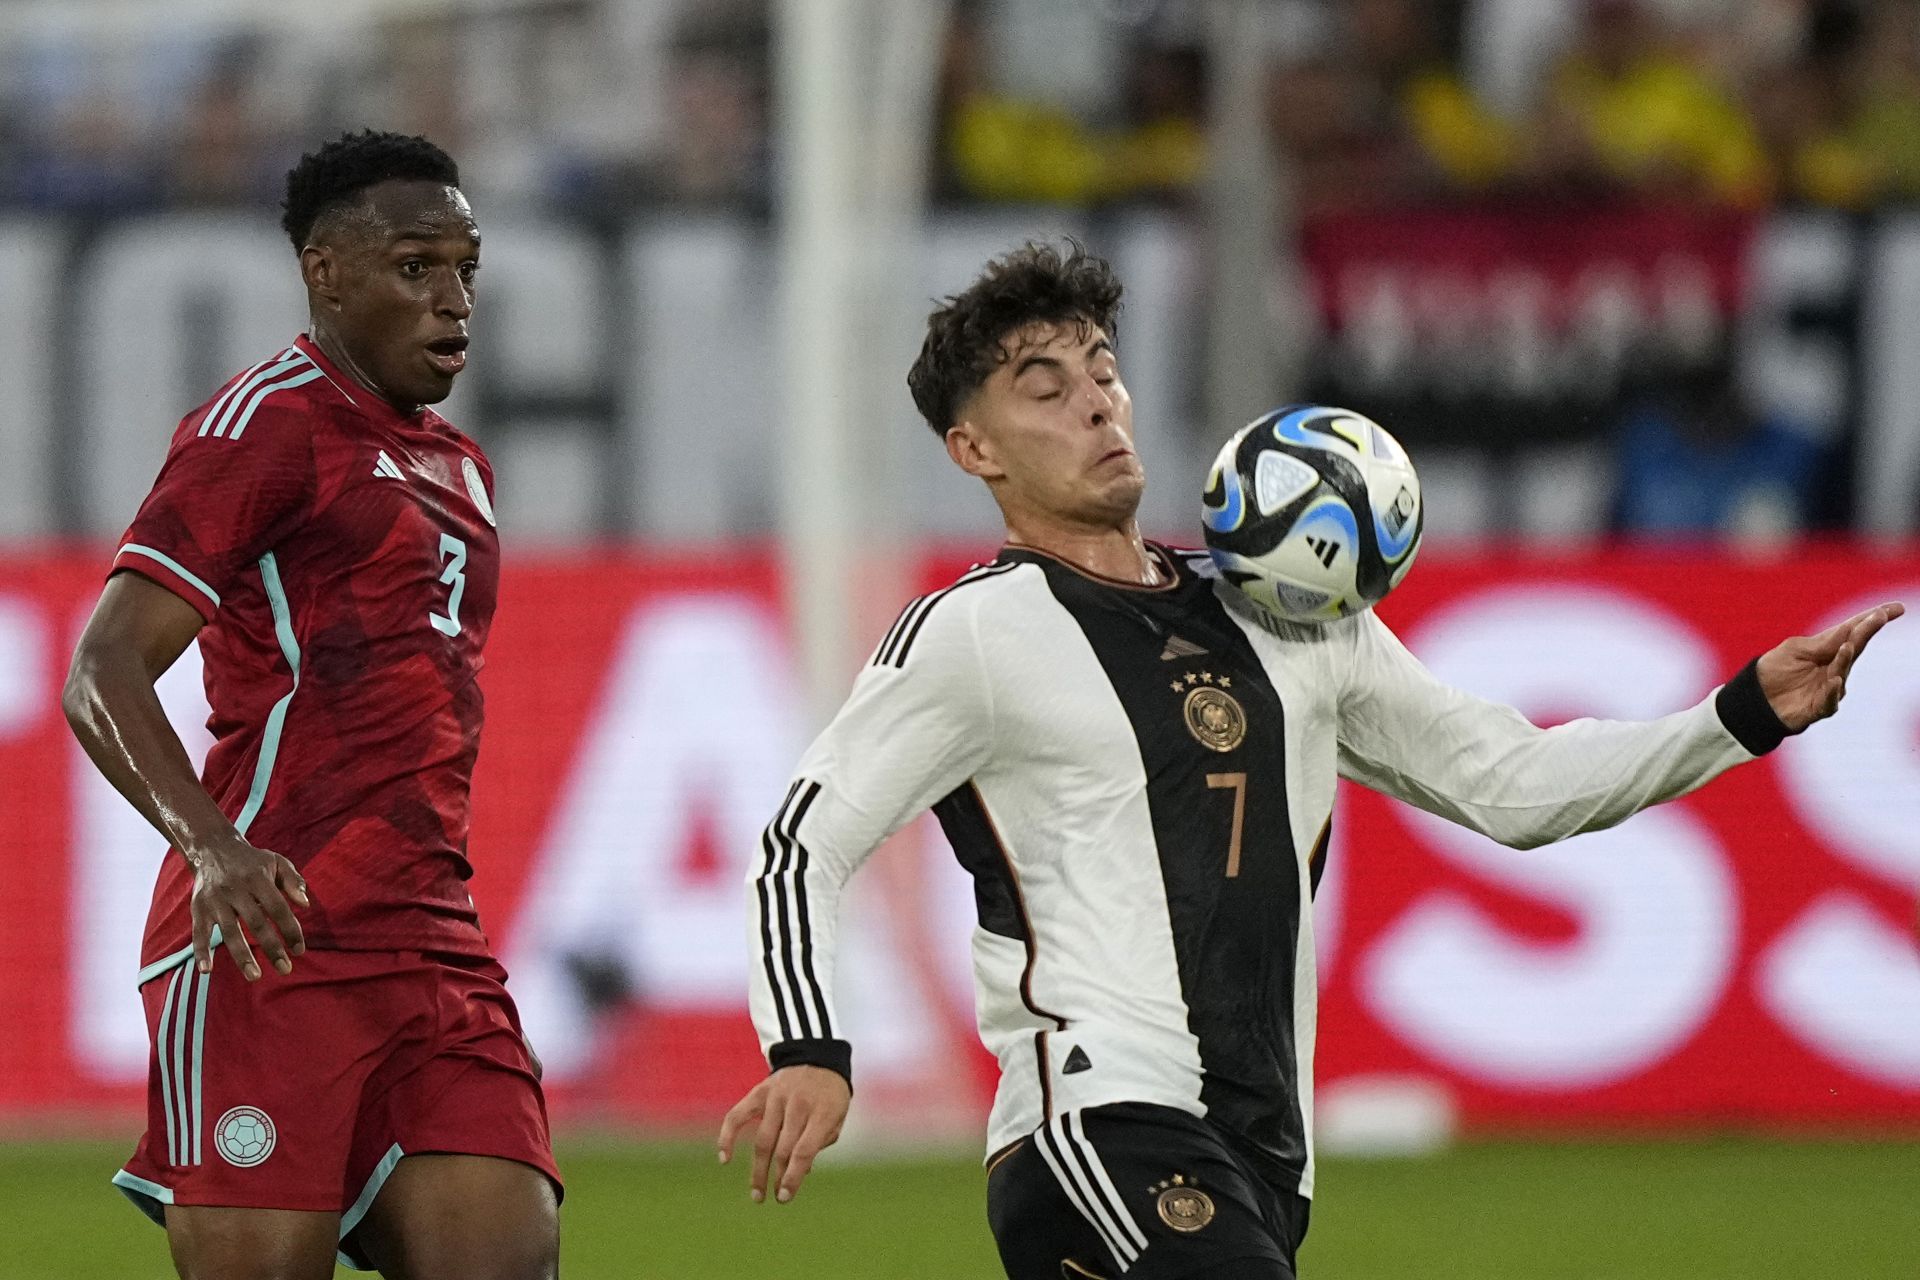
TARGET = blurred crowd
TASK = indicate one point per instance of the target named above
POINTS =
(616, 103)
(592, 105)
(603, 107)
(1741, 102)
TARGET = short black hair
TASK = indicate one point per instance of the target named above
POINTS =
(1038, 283)
(340, 170)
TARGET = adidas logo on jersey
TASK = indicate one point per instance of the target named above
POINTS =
(1178, 648)
(385, 467)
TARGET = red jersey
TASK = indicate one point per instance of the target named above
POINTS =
(345, 559)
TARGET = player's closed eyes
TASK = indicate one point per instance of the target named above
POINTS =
(1053, 393)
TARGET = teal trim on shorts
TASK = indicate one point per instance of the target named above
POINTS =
(149, 972)
(166, 1075)
(199, 1042)
(358, 1210)
(148, 1197)
(179, 1097)
(151, 1199)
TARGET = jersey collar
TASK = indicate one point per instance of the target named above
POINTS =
(1170, 565)
(353, 390)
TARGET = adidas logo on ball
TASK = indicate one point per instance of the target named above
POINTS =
(1313, 513)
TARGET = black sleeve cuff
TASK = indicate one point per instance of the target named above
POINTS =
(834, 1055)
(1748, 716)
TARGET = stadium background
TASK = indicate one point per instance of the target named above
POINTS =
(1639, 285)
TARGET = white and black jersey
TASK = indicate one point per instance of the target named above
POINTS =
(1140, 782)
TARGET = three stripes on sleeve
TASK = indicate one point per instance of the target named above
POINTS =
(798, 997)
(228, 415)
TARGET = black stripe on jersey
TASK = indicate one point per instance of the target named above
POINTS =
(996, 887)
(1046, 1076)
(906, 628)
(976, 844)
(1235, 939)
(890, 647)
(1317, 860)
(893, 632)
(800, 902)
(786, 860)
(767, 950)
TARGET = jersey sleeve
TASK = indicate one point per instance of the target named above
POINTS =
(220, 504)
(1485, 766)
(917, 724)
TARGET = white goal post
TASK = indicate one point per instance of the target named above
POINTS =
(855, 82)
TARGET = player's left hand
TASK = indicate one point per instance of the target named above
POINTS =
(1805, 677)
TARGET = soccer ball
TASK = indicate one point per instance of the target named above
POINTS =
(244, 1136)
(1313, 512)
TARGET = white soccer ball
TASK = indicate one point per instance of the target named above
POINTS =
(1313, 512)
(244, 1136)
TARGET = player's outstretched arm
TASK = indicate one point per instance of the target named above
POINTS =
(136, 632)
(797, 1113)
(1484, 766)
(1805, 677)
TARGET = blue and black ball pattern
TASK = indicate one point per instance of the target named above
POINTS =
(1310, 469)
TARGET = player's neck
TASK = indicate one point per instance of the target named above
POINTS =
(1118, 552)
(336, 351)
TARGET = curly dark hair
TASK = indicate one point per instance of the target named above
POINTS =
(1038, 283)
(340, 170)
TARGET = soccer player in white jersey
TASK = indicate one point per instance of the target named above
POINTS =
(1139, 775)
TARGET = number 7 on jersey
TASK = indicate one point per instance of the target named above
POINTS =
(1237, 782)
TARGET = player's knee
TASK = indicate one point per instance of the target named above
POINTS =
(543, 1266)
(238, 1244)
(532, 1253)
(215, 1264)
(216, 1267)
(525, 1246)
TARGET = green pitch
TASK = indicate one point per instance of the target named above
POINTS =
(1693, 1210)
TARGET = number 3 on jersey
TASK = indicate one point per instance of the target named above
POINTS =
(454, 552)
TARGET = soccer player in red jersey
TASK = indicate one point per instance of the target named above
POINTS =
(330, 541)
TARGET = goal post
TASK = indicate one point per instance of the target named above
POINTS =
(855, 83)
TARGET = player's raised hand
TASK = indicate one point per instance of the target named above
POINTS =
(800, 1111)
(235, 885)
(1805, 677)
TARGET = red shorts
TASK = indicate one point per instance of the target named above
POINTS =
(304, 1091)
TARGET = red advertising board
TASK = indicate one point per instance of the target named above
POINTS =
(1745, 954)
(1506, 325)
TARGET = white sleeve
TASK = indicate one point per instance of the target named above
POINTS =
(1485, 766)
(918, 724)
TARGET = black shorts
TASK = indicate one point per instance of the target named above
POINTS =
(1143, 1191)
